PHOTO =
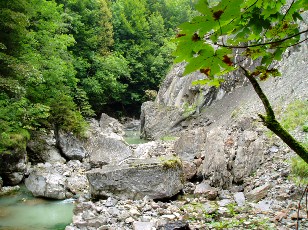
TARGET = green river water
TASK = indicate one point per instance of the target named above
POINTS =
(21, 211)
(133, 137)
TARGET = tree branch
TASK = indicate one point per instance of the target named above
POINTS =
(272, 124)
(269, 111)
(288, 10)
(263, 44)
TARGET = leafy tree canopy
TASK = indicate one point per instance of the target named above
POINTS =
(257, 28)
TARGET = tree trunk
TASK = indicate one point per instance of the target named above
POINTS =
(272, 124)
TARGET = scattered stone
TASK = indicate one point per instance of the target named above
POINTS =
(110, 202)
(190, 170)
(129, 220)
(295, 215)
(239, 198)
(274, 149)
(258, 193)
(205, 189)
(264, 205)
(138, 225)
(281, 215)
(177, 225)
(224, 202)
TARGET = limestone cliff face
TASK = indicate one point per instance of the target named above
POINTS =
(178, 99)
(177, 90)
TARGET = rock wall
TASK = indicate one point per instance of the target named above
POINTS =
(178, 99)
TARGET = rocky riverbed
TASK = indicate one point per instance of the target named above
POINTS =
(208, 166)
(266, 200)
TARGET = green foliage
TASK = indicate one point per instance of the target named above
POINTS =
(188, 110)
(296, 115)
(150, 94)
(104, 87)
(61, 61)
(173, 162)
(257, 29)
(36, 70)
(299, 171)
(17, 118)
(305, 127)
(142, 32)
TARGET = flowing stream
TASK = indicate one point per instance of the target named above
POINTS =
(21, 211)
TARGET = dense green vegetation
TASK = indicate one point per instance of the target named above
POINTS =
(226, 33)
(64, 60)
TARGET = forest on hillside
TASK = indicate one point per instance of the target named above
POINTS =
(62, 61)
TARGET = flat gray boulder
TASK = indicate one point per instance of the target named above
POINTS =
(156, 178)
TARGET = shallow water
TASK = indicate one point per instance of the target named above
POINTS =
(133, 137)
(21, 211)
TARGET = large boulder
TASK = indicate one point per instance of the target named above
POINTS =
(190, 148)
(178, 100)
(57, 181)
(104, 146)
(13, 167)
(233, 153)
(157, 120)
(43, 148)
(111, 125)
(191, 144)
(71, 147)
(156, 178)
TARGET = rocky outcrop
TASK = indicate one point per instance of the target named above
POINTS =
(57, 181)
(155, 178)
(43, 148)
(104, 146)
(178, 99)
(71, 147)
(13, 167)
(111, 125)
(157, 120)
(232, 154)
